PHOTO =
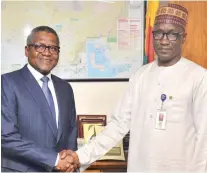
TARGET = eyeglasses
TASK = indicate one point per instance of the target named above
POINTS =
(41, 48)
(171, 36)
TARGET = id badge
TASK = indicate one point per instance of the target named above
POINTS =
(161, 119)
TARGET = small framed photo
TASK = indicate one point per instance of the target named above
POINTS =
(91, 125)
(90, 120)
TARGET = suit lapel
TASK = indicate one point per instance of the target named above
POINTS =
(60, 95)
(39, 97)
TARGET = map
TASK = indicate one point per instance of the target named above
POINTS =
(98, 39)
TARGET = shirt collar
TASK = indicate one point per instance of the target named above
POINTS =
(37, 75)
(172, 66)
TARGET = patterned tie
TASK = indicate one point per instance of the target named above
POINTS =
(48, 96)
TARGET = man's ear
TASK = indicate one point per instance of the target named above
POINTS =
(184, 37)
(26, 51)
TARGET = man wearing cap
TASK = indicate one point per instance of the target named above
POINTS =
(164, 107)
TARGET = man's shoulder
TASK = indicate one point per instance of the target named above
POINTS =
(60, 81)
(56, 78)
(144, 68)
(11, 79)
(194, 71)
(141, 71)
(12, 74)
(193, 67)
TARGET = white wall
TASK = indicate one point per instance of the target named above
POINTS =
(97, 98)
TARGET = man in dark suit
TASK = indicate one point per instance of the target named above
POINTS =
(38, 110)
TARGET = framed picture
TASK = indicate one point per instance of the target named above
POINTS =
(91, 125)
(90, 120)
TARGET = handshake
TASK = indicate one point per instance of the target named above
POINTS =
(68, 161)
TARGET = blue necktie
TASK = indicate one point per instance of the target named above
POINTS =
(48, 96)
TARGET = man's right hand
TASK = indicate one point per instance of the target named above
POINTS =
(68, 161)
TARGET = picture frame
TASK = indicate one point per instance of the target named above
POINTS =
(89, 119)
(91, 125)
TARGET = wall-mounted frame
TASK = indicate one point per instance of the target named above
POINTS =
(109, 48)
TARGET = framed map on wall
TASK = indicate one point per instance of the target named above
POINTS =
(98, 39)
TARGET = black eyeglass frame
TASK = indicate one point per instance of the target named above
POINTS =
(37, 45)
(176, 34)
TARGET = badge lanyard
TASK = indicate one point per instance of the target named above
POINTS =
(163, 98)
(161, 118)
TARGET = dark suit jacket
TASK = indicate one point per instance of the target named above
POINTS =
(30, 141)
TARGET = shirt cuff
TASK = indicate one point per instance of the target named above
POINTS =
(57, 159)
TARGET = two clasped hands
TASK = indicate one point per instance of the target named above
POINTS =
(68, 161)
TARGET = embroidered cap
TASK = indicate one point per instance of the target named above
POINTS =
(173, 14)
